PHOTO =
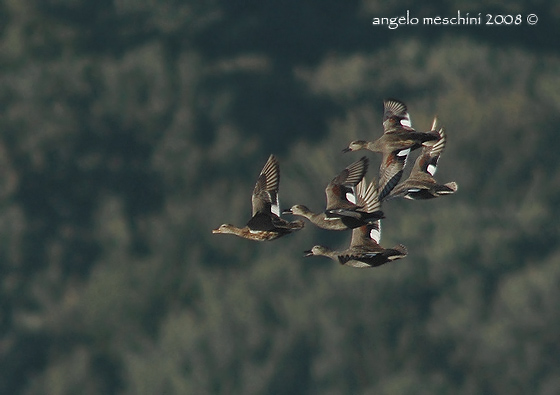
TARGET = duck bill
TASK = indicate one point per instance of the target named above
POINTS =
(307, 253)
(289, 211)
(347, 149)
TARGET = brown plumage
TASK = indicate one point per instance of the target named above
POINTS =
(364, 250)
(265, 224)
(398, 139)
(341, 214)
(421, 183)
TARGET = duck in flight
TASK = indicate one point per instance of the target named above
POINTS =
(396, 143)
(265, 224)
(364, 250)
(343, 211)
(421, 183)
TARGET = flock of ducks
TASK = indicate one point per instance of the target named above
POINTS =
(352, 203)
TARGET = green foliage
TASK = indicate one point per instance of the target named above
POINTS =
(130, 129)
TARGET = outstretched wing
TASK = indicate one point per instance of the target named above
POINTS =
(367, 235)
(428, 159)
(265, 194)
(395, 116)
(367, 196)
(391, 170)
(344, 183)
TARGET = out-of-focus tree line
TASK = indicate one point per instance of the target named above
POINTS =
(129, 129)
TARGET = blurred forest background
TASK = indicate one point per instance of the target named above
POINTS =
(131, 128)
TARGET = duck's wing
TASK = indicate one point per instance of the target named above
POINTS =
(391, 170)
(428, 159)
(367, 237)
(357, 261)
(368, 199)
(265, 194)
(344, 183)
(263, 222)
(395, 116)
(367, 196)
(374, 231)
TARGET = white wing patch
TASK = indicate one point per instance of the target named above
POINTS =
(375, 234)
(431, 169)
(351, 197)
(406, 121)
(404, 152)
(275, 206)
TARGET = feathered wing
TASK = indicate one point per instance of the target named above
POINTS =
(428, 159)
(367, 197)
(344, 183)
(355, 260)
(265, 194)
(391, 170)
(358, 195)
(395, 116)
(421, 183)
(364, 250)
(369, 234)
(353, 174)
(435, 124)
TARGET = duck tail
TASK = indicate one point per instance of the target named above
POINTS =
(400, 251)
(297, 224)
(453, 186)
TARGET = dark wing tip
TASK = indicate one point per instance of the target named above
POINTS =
(265, 193)
(389, 185)
(269, 178)
(356, 171)
(351, 175)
